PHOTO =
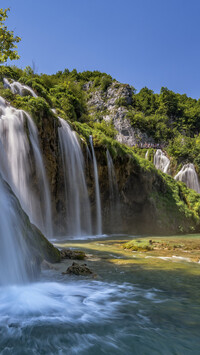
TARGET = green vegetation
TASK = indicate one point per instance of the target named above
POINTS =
(7, 39)
(138, 245)
(169, 118)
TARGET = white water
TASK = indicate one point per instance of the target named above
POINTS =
(13, 252)
(92, 317)
(161, 162)
(189, 176)
(78, 214)
(24, 168)
(147, 154)
(87, 317)
(18, 88)
(97, 192)
(113, 187)
(115, 210)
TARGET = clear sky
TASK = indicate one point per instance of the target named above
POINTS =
(151, 43)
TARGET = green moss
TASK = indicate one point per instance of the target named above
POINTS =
(138, 245)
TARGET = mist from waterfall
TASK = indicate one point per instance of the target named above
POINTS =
(161, 162)
(78, 213)
(13, 251)
(23, 165)
(189, 176)
(97, 191)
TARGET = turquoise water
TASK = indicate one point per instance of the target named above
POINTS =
(69, 315)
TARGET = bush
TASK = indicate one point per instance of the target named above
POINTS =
(106, 81)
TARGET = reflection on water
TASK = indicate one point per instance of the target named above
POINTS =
(93, 317)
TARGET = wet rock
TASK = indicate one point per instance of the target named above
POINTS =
(72, 254)
(47, 266)
(79, 270)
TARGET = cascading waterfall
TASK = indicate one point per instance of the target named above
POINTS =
(18, 88)
(14, 254)
(24, 168)
(147, 154)
(189, 176)
(97, 192)
(13, 251)
(115, 210)
(78, 214)
(161, 162)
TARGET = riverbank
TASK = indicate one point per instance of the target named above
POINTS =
(172, 264)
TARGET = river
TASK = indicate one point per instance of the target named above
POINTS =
(128, 308)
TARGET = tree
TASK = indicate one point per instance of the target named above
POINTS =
(7, 40)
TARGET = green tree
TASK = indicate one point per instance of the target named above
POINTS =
(7, 40)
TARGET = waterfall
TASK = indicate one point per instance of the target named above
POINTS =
(113, 187)
(14, 255)
(115, 210)
(161, 162)
(189, 176)
(78, 214)
(97, 192)
(18, 88)
(24, 168)
(147, 154)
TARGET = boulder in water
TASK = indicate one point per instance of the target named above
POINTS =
(72, 254)
(79, 270)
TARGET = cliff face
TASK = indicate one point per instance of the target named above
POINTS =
(113, 106)
(147, 201)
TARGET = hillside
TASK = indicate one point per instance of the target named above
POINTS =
(125, 124)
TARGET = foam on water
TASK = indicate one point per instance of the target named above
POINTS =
(72, 308)
(87, 317)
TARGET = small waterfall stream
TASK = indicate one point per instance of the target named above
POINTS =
(113, 187)
(97, 192)
(189, 176)
(161, 162)
(115, 210)
(78, 214)
(24, 165)
(18, 88)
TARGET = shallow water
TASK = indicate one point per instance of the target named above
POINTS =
(61, 314)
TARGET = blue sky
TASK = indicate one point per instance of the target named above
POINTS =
(151, 43)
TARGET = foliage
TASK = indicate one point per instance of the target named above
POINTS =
(106, 81)
(138, 245)
(7, 39)
(168, 118)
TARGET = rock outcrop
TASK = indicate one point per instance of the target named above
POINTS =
(113, 105)
(79, 270)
